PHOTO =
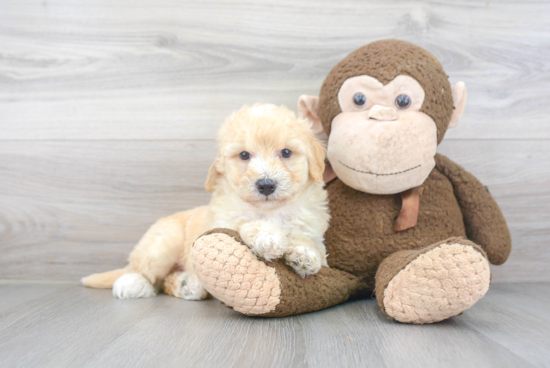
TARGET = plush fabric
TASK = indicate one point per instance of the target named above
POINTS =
(382, 157)
(361, 232)
(255, 287)
(484, 222)
(410, 204)
(384, 60)
(434, 283)
(431, 264)
(380, 96)
(249, 286)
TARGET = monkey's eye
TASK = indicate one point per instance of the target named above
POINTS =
(359, 99)
(286, 153)
(402, 102)
(244, 155)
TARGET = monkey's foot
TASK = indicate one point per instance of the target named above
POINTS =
(229, 271)
(434, 283)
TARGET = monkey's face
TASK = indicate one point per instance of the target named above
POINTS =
(381, 142)
(384, 109)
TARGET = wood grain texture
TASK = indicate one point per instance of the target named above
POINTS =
(70, 205)
(175, 69)
(70, 326)
(108, 110)
(74, 208)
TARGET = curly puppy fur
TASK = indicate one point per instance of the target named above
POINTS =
(288, 222)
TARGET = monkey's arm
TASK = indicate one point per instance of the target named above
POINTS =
(484, 222)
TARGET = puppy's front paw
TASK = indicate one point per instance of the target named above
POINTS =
(304, 260)
(270, 245)
(266, 242)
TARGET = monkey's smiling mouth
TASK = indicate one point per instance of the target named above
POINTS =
(378, 174)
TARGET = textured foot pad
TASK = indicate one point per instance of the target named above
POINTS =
(437, 285)
(234, 275)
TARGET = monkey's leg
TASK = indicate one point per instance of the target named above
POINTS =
(233, 274)
(434, 283)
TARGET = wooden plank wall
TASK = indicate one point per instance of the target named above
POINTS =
(109, 109)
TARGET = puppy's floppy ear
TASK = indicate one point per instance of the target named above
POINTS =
(316, 159)
(214, 173)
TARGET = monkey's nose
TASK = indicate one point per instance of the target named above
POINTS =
(378, 112)
(266, 186)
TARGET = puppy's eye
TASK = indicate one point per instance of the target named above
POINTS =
(286, 153)
(244, 155)
(402, 102)
(359, 99)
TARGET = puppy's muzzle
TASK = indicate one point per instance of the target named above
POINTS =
(266, 186)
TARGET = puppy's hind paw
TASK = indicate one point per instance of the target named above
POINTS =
(190, 288)
(133, 285)
(304, 261)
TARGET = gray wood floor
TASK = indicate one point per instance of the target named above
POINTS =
(66, 325)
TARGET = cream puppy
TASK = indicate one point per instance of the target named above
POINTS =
(267, 184)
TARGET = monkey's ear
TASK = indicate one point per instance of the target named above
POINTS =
(213, 174)
(459, 102)
(308, 107)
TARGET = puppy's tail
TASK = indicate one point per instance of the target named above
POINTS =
(104, 280)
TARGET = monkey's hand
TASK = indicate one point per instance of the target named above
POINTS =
(485, 224)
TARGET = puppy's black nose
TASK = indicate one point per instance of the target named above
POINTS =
(266, 186)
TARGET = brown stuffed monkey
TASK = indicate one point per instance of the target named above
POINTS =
(406, 222)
